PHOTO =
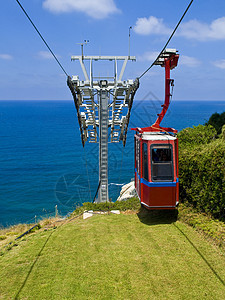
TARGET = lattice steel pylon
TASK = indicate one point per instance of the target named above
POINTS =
(103, 107)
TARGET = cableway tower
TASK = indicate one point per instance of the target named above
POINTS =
(103, 107)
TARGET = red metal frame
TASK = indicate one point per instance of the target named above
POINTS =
(169, 64)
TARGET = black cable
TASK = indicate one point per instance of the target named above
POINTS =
(42, 37)
(175, 29)
(97, 191)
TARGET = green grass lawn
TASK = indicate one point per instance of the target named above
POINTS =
(127, 256)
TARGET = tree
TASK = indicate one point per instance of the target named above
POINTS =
(217, 121)
(223, 132)
(190, 137)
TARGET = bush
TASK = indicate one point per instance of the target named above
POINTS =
(223, 132)
(202, 176)
(217, 121)
(197, 135)
(130, 204)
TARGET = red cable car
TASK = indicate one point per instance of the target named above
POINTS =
(156, 152)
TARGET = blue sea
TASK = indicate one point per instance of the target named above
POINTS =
(43, 163)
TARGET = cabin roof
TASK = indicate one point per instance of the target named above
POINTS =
(159, 136)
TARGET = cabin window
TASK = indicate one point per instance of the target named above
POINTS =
(162, 162)
(145, 161)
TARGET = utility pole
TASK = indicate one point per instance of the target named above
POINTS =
(129, 42)
(82, 47)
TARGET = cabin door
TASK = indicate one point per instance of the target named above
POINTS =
(163, 189)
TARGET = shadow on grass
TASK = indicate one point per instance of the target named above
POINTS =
(155, 217)
(32, 266)
(201, 255)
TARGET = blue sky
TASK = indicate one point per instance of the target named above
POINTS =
(28, 72)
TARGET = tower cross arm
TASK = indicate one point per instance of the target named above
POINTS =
(100, 57)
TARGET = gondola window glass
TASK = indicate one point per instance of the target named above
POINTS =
(162, 162)
(145, 161)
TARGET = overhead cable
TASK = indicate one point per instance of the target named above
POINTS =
(42, 38)
(172, 34)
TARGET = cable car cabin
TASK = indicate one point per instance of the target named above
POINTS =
(156, 169)
(156, 151)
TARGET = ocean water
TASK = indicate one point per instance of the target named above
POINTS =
(43, 163)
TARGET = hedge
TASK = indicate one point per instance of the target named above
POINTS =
(202, 170)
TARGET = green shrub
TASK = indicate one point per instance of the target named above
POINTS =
(217, 121)
(223, 132)
(11, 233)
(202, 177)
(130, 204)
(190, 137)
(37, 227)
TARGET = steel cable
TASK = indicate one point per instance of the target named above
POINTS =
(38, 32)
(172, 34)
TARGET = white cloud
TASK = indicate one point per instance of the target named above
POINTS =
(195, 29)
(97, 9)
(152, 25)
(189, 61)
(219, 63)
(192, 29)
(46, 55)
(148, 56)
(6, 56)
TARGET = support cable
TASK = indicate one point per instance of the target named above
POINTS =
(97, 191)
(172, 34)
(38, 32)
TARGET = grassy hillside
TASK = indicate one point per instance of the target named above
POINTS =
(128, 256)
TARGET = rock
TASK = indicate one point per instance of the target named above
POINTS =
(128, 191)
(87, 214)
(116, 212)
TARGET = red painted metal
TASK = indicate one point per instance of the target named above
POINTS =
(156, 194)
(169, 64)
